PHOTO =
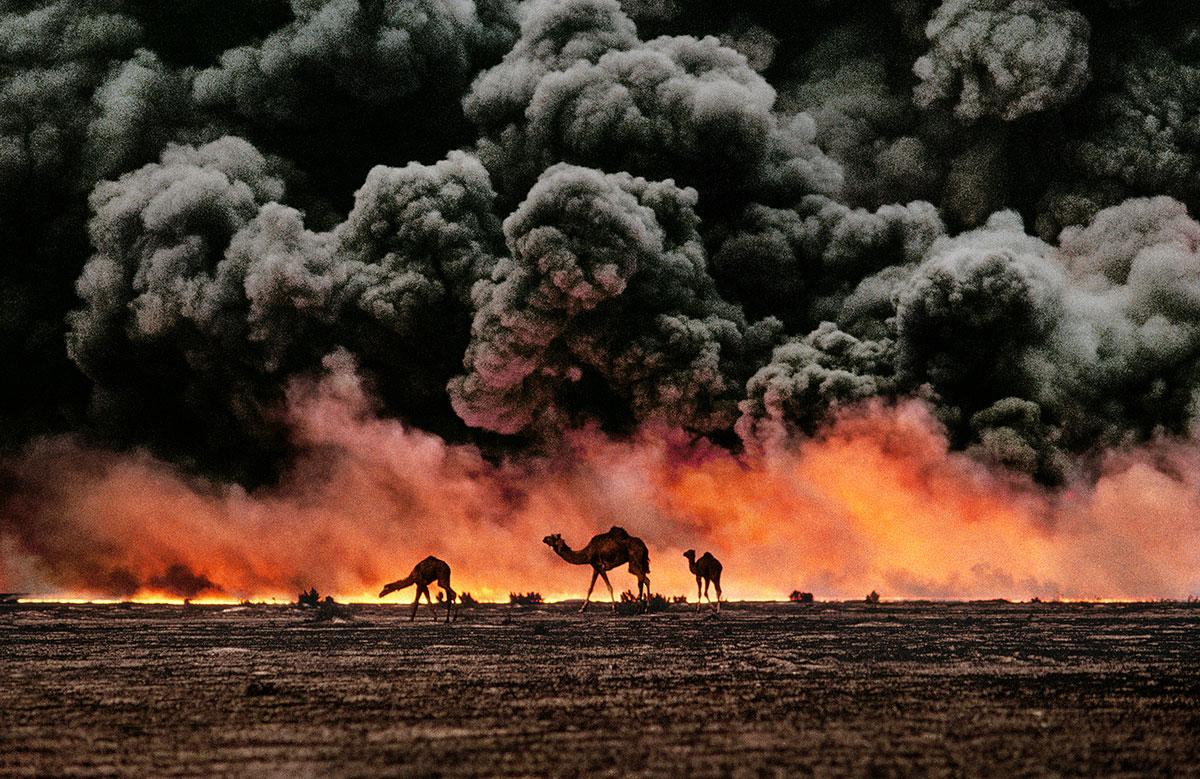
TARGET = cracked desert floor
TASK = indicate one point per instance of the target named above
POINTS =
(764, 689)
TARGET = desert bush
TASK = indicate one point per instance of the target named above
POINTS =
(800, 597)
(873, 597)
(631, 604)
(309, 599)
(330, 609)
(467, 600)
(525, 599)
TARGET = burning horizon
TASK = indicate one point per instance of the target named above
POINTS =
(876, 500)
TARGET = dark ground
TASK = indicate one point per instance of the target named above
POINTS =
(898, 689)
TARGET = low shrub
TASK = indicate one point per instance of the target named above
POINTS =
(631, 604)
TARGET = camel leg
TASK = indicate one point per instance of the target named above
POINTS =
(450, 596)
(587, 599)
(643, 587)
(432, 608)
(717, 584)
(707, 597)
(611, 597)
(699, 597)
(416, 603)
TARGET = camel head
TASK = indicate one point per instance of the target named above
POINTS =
(690, 554)
(390, 587)
(554, 541)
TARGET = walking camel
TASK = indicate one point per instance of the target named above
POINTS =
(707, 568)
(426, 572)
(605, 552)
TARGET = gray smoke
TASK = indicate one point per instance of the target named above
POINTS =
(373, 53)
(1003, 58)
(802, 263)
(865, 118)
(810, 377)
(199, 271)
(606, 285)
(522, 217)
(579, 86)
(1141, 136)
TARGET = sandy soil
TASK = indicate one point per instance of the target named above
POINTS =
(831, 689)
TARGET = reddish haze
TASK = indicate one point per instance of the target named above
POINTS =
(876, 502)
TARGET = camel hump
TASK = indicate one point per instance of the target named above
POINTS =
(616, 531)
(433, 564)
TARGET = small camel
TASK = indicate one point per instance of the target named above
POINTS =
(707, 568)
(605, 552)
(426, 572)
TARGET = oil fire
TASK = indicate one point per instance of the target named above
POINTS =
(877, 501)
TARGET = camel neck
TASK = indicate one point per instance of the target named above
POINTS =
(571, 556)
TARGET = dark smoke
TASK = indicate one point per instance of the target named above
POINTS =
(522, 218)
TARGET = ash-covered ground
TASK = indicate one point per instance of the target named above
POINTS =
(831, 689)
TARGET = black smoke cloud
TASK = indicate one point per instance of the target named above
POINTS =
(205, 291)
(1003, 58)
(524, 217)
(606, 287)
(579, 86)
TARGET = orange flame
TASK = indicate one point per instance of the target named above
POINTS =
(877, 501)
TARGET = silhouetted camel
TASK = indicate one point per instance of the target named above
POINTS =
(426, 572)
(707, 568)
(605, 552)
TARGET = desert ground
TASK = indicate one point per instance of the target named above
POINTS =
(895, 689)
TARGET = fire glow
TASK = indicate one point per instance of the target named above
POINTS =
(876, 501)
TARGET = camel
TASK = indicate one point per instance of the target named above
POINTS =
(707, 568)
(426, 572)
(605, 552)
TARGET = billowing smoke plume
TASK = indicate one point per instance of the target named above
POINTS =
(606, 289)
(201, 278)
(374, 53)
(1140, 133)
(579, 86)
(1003, 58)
(865, 118)
(381, 81)
(726, 238)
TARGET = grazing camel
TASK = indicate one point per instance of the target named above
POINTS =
(707, 568)
(605, 552)
(426, 572)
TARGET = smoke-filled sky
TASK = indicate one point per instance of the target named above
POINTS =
(899, 295)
